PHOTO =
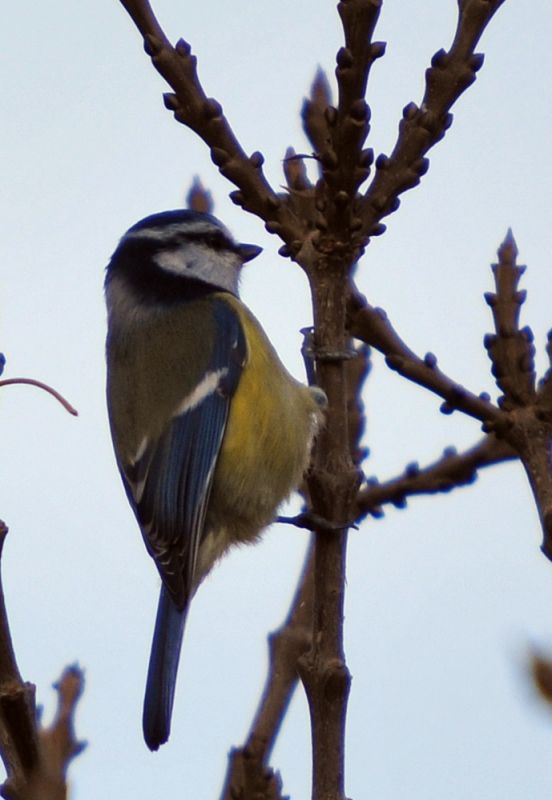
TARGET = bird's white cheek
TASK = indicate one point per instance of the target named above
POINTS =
(173, 260)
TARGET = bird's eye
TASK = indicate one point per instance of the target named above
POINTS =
(218, 240)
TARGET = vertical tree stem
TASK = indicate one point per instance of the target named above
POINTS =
(333, 486)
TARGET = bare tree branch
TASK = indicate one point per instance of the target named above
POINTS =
(449, 472)
(421, 127)
(529, 418)
(315, 112)
(18, 737)
(372, 326)
(19, 746)
(58, 744)
(248, 776)
(204, 115)
(511, 350)
(35, 759)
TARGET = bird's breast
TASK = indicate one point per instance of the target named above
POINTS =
(267, 441)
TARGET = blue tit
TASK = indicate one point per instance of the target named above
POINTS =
(210, 431)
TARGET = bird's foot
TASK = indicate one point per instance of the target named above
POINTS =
(312, 521)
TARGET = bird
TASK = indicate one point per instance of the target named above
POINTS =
(210, 431)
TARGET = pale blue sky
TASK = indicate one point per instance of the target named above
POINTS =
(443, 598)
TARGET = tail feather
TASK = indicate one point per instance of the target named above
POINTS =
(162, 671)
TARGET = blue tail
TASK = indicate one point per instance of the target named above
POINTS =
(163, 666)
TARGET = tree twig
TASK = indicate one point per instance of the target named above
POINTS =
(192, 107)
(373, 326)
(35, 759)
(19, 746)
(58, 744)
(449, 472)
(40, 385)
(510, 349)
(529, 413)
(249, 776)
(423, 126)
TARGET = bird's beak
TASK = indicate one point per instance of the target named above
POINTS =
(248, 252)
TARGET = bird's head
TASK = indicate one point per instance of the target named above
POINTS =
(165, 254)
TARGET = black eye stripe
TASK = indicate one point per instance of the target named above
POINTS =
(215, 239)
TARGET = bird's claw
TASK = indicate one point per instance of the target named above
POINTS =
(312, 521)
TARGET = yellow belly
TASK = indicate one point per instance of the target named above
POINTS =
(265, 449)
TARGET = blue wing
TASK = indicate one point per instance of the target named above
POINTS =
(170, 483)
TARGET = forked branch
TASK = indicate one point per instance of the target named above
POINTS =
(204, 115)
(35, 758)
(450, 74)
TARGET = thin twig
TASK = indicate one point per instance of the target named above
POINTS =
(40, 385)
(36, 759)
(528, 426)
(192, 107)
(510, 349)
(58, 744)
(373, 326)
(449, 472)
(19, 746)
(423, 126)
(249, 776)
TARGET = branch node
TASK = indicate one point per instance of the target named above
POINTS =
(212, 109)
(342, 200)
(256, 159)
(383, 162)
(366, 157)
(273, 202)
(377, 49)
(420, 166)
(476, 61)
(330, 115)
(440, 59)
(183, 48)
(344, 58)
(237, 198)
(410, 111)
(360, 110)
(219, 157)
(328, 159)
(152, 45)
(412, 469)
(171, 101)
